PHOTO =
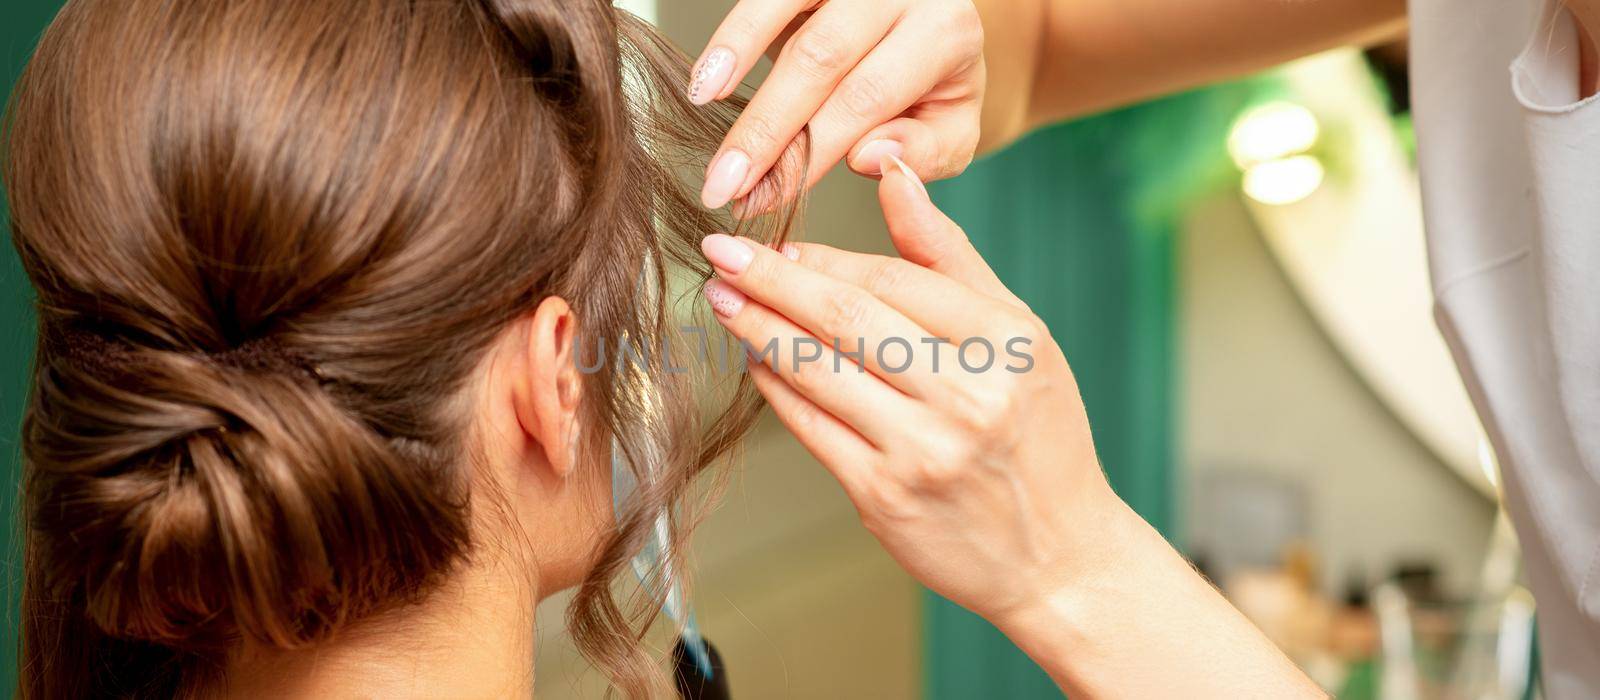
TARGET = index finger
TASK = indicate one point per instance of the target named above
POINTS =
(814, 61)
(740, 41)
(843, 316)
(930, 299)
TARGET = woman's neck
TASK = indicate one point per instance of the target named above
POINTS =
(472, 638)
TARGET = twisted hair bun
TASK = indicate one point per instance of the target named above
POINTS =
(196, 503)
(226, 195)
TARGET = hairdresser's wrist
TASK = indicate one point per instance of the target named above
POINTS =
(1142, 623)
(1059, 623)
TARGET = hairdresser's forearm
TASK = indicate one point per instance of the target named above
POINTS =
(1013, 35)
(1054, 59)
(1588, 14)
(1144, 624)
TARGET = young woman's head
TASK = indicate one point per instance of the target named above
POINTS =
(314, 281)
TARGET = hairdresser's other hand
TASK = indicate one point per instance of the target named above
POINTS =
(971, 460)
(870, 77)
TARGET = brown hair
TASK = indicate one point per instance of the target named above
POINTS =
(271, 239)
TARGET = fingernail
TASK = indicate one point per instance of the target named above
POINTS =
(873, 153)
(791, 251)
(725, 300)
(727, 253)
(908, 172)
(725, 178)
(710, 76)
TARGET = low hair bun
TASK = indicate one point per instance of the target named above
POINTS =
(389, 188)
(190, 502)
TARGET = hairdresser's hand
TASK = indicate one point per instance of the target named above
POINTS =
(970, 460)
(869, 76)
(980, 480)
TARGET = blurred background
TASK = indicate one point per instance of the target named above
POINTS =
(1238, 277)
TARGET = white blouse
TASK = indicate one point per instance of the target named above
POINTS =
(1510, 167)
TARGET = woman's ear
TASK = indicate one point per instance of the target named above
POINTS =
(547, 394)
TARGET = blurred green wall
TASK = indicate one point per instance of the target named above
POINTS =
(21, 22)
(1079, 220)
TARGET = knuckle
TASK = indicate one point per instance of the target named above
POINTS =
(1036, 326)
(1021, 323)
(809, 377)
(862, 96)
(819, 51)
(811, 255)
(982, 411)
(931, 237)
(886, 274)
(845, 309)
(761, 273)
(805, 416)
(802, 253)
(930, 447)
(928, 477)
(742, 26)
(758, 133)
(942, 465)
(971, 36)
(884, 506)
(873, 494)
(962, 26)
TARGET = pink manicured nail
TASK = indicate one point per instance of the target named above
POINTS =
(725, 300)
(710, 76)
(872, 154)
(725, 178)
(727, 253)
(909, 173)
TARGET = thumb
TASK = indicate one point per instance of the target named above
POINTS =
(925, 236)
(937, 144)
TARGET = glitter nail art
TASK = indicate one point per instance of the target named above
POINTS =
(723, 301)
(713, 62)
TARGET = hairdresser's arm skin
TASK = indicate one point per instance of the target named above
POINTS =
(1096, 54)
(1091, 55)
(912, 72)
(1588, 14)
(984, 486)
